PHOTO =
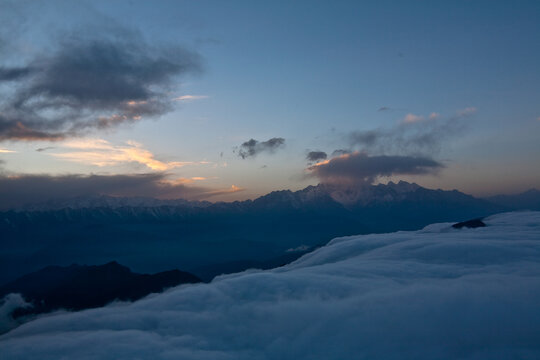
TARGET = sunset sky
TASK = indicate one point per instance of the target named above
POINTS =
(227, 100)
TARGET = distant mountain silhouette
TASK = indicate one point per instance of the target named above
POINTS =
(79, 287)
(528, 200)
(150, 235)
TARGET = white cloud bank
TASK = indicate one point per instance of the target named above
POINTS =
(9, 303)
(438, 293)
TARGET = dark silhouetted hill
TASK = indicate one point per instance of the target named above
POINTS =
(77, 287)
(470, 224)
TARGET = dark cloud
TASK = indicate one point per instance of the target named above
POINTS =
(15, 128)
(91, 82)
(10, 74)
(338, 152)
(253, 147)
(361, 168)
(384, 108)
(45, 148)
(316, 156)
(31, 189)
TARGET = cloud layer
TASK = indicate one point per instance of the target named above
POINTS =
(91, 82)
(438, 293)
(359, 168)
(253, 147)
(407, 148)
(20, 190)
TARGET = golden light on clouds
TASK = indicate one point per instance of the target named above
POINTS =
(135, 103)
(231, 190)
(204, 192)
(190, 97)
(412, 118)
(434, 116)
(342, 156)
(101, 153)
(184, 181)
(6, 151)
(235, 188)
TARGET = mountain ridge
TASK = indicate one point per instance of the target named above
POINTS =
(345, 195)
(198, 235)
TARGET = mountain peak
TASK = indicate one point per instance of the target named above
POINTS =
(362, 194)
(403, 186)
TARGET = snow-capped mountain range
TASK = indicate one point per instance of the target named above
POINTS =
(151, 235)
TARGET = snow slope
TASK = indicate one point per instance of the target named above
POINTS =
(437, 293)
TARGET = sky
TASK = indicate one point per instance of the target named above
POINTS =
(230, 100)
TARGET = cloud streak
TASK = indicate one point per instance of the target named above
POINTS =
(100, 152)
(252, 147)
(413, 136)
(190, 97)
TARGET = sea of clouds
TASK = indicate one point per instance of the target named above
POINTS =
(437, 293)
